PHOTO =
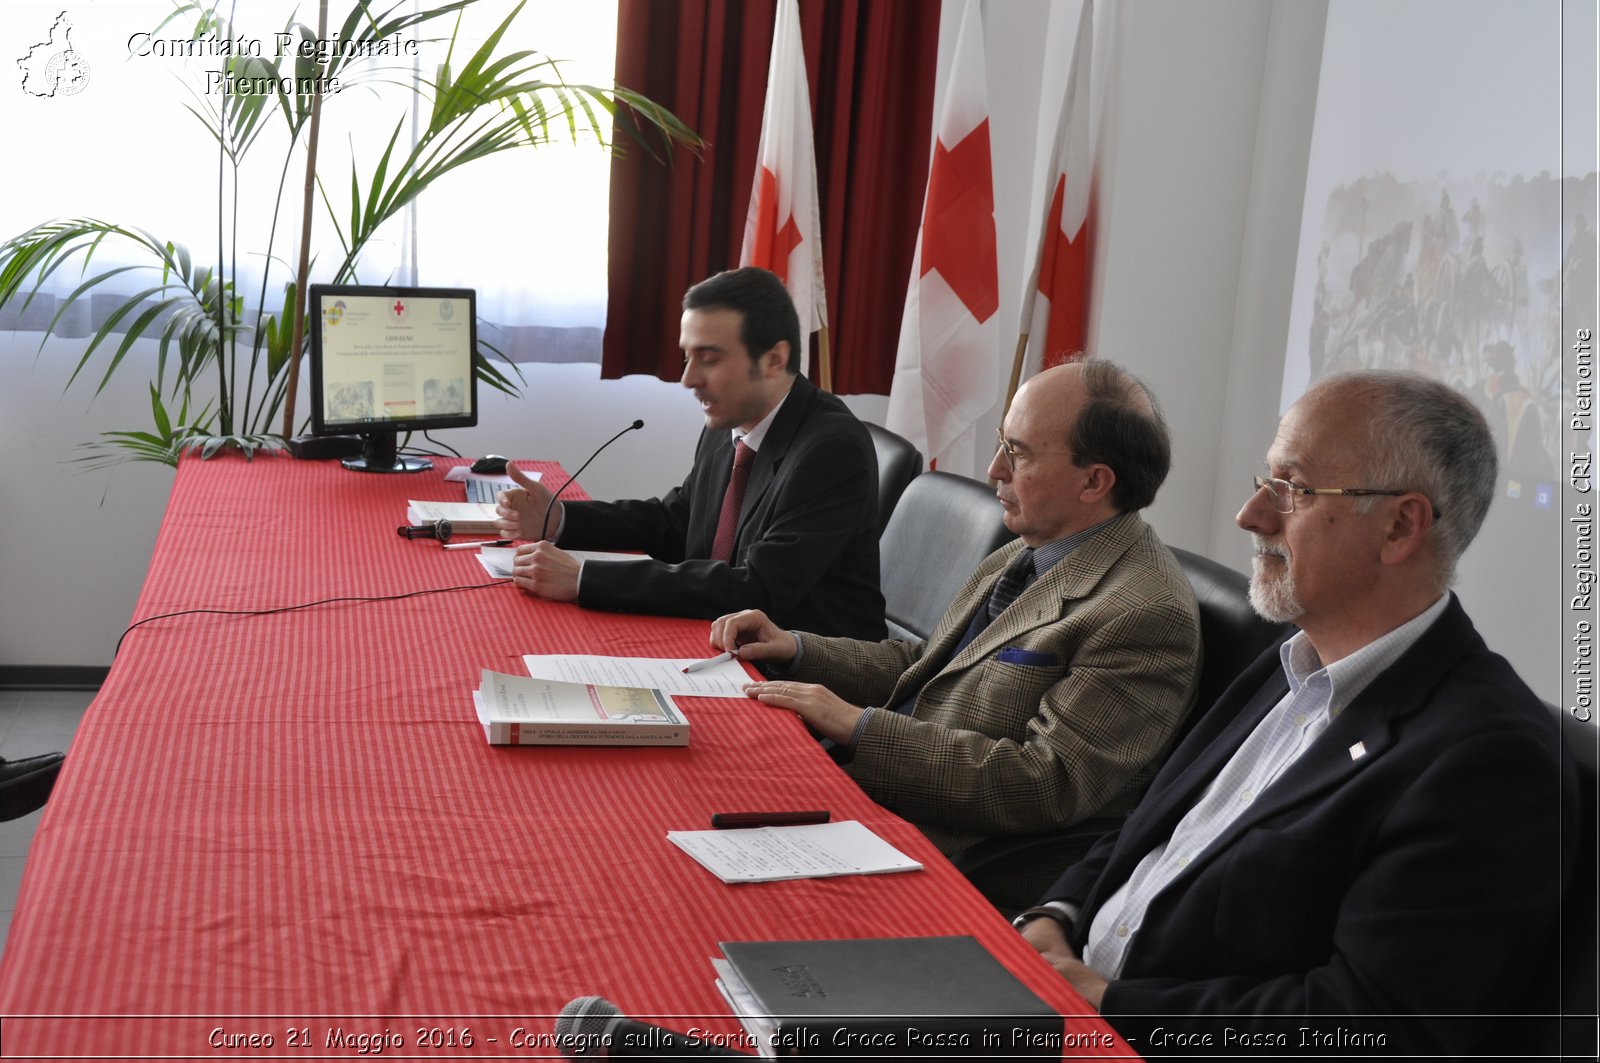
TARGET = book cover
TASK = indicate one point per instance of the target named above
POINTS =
(522, 711)
(887, 997)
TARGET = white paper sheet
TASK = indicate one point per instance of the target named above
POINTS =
(463, 473)
(778, 854)
(725, 680)
(756, 1022)
(496, 560)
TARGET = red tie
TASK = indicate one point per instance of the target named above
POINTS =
(728, 522)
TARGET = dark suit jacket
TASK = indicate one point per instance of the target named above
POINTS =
(1417, 874)
(807, 545)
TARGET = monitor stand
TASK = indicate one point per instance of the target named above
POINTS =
(380, 452)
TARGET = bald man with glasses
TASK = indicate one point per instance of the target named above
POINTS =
(1061, 672)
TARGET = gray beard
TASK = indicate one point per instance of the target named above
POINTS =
(1273, 596)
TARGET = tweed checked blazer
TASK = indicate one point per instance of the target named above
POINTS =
(1060, 710)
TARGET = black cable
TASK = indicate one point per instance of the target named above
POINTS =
(454, 453)
(544, 525)
(302, 605)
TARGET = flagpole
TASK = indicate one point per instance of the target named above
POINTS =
(1016, 378)
(1016, 371)
(824, 361)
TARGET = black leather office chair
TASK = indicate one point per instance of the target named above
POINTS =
(1014, 871)
(898, 464)
(942, 527)
(1232, 634)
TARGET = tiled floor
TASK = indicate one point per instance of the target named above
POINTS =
(31, 722)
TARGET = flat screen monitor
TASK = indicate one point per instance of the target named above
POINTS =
(387, 360)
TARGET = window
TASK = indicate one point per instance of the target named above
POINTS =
(526, 228)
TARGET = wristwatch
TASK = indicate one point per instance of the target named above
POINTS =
(1044, 911)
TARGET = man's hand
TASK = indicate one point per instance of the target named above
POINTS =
(519, 511)
(827, 713)
(1090, 986)
(751, 636)
(547, 571)
(1050, 941)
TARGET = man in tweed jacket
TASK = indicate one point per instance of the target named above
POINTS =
(1060, 708)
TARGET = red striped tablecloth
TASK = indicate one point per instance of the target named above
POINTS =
(290, 827)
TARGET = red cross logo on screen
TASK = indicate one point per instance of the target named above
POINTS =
(398, 309)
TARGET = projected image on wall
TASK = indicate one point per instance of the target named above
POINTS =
(1464, 281)
(1448, 226)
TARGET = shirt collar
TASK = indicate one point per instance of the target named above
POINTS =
(1350, 675)
(753, 438)
(1052, 553)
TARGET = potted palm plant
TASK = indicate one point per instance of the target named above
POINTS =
(228, 332)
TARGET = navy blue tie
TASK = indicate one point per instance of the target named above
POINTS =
(1012, 582)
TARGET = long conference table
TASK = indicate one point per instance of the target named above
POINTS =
(285, 836)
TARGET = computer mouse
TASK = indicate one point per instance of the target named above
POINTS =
(490, 465)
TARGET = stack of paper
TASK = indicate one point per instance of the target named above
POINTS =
(466, 518)
(778, 854)
(726, 679)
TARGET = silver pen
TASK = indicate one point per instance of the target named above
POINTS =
(698, 666)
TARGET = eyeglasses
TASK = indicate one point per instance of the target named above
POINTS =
(1284, 493)
(1014, 457)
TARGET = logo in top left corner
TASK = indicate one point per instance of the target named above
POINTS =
(54, 67)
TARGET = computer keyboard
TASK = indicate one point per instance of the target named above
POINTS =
(483, 490)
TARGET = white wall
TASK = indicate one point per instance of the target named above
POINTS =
(1203, 132)
(76, 543)
(1203, 178)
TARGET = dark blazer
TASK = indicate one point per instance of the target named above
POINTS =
(1408, 864)
(807, 546)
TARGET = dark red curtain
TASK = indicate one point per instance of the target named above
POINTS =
(870, 65)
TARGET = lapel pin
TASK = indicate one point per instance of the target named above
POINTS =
(1358, 751)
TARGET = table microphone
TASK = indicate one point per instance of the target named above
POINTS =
(434, 529)
(595, 1028)
(544, 526)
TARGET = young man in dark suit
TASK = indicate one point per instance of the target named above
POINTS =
(1358, 848)
(790, 526)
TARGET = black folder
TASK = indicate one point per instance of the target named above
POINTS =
(909, 997)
